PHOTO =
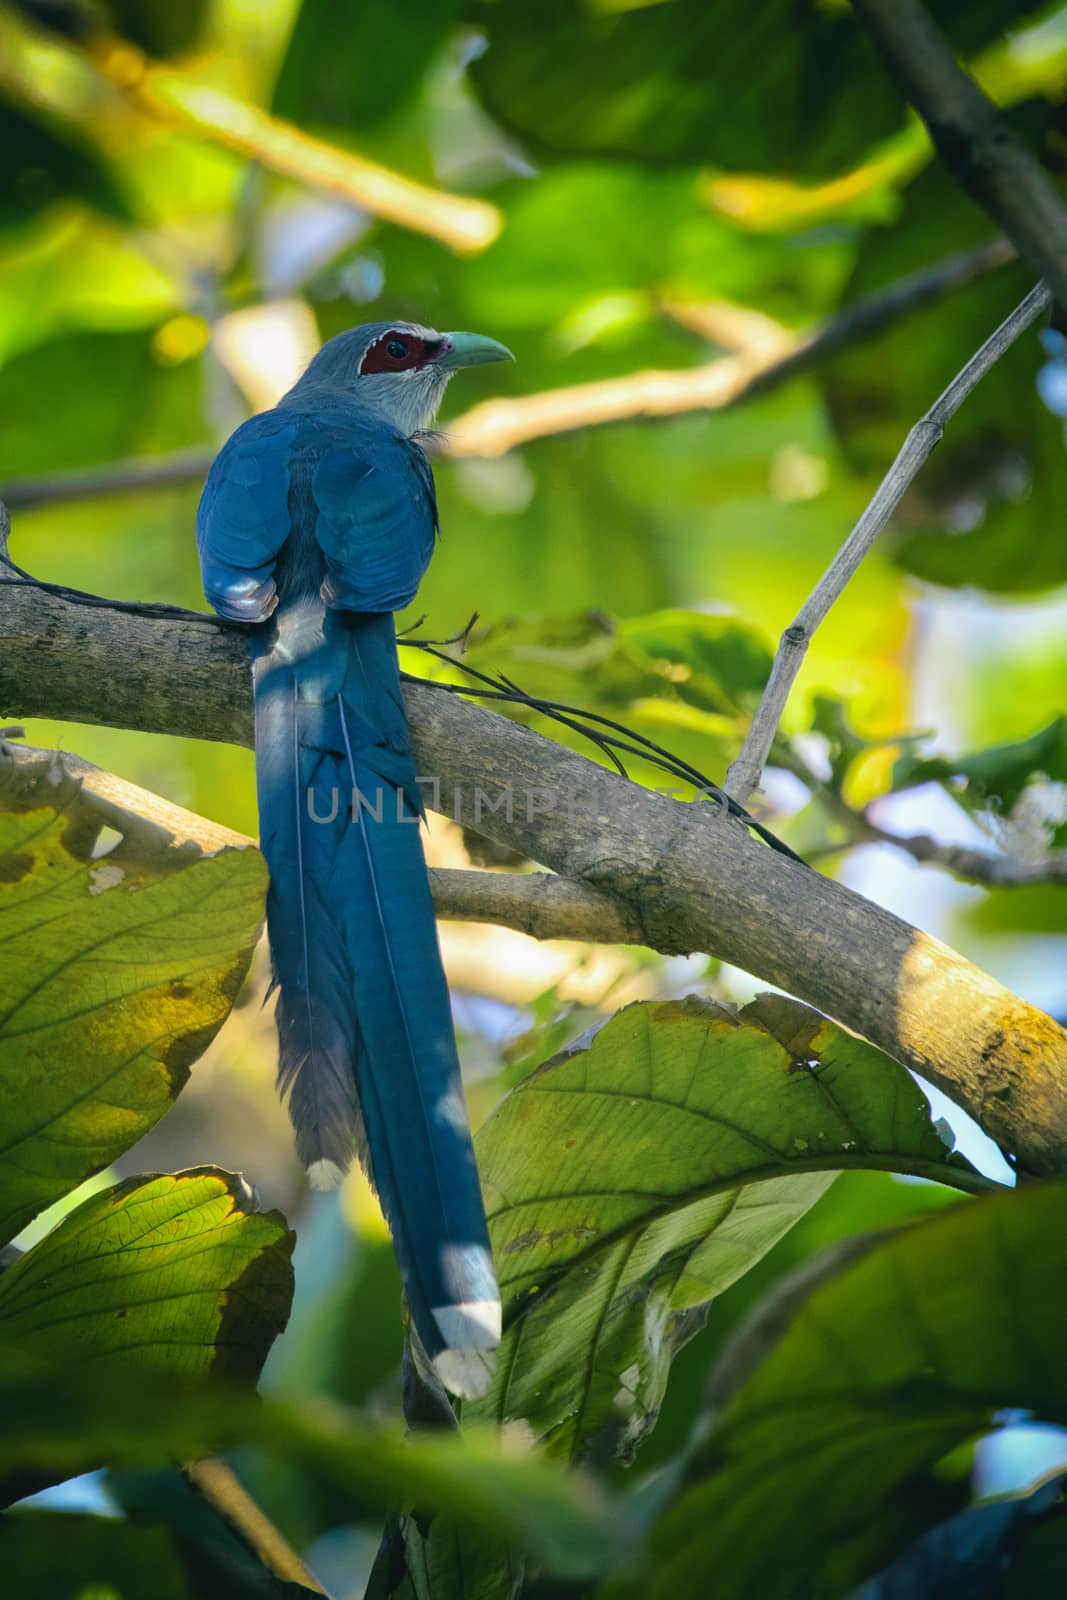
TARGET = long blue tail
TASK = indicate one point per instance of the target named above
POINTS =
(367, 1049)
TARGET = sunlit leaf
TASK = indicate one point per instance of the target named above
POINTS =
(173, 1272)
(116, 970)
(684, 680)
(641, 1172)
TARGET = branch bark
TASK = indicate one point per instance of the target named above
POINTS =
(683, 877)
(979, 149)
(495, 426)
(746, 772)
(542, 904)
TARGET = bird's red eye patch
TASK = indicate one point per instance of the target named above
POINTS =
(397, 351)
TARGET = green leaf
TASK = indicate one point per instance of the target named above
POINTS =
(116, 971)
(159, 26)
(93, 397)
(65, 1556)
(45, 161)
(958, 1556)
(349, 67)
(995, 778)
(171, 1271)
(660, 82)
(641, 1172)
(896, 1361)
(419, 1563)
(91, 1558)
(986, 509)
(61, 1418)
(682, 679)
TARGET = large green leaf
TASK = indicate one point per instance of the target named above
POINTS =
(115, 972)
(683, 80)
(962, 1556)
(901, 1357)
(417, 1562)
(110, 1326)
(641, 1172)
(171, 1271)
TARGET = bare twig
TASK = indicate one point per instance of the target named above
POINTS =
(685, 876)
(746, 772)
(497, 425)
(992, 869)
(976, 866)
(979, 149)
(132, 476)
(219, 1485)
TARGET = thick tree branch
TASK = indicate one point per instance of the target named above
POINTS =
(746, 772)
(495, 426)
(979, 149)
(684, 876)
(541, 904)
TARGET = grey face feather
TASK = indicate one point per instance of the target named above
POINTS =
(409, 400)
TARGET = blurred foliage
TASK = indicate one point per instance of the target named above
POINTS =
(1024, 1532)
(880, 1367)
(660, 82)
(626, 179)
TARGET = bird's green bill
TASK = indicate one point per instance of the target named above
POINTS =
(471, 350)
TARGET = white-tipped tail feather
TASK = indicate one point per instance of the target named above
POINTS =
(325, 1175)
(472, 1332)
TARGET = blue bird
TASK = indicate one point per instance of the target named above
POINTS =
(317, 522)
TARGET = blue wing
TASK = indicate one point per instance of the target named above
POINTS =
(376, 517)
(244, 519)
(360, 487)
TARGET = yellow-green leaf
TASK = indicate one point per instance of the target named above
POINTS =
(116, 970)
(171, 1271)
(637, 1175)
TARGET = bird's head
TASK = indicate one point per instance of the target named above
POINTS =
(398, 368)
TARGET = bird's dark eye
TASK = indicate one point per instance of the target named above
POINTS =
(397, 349)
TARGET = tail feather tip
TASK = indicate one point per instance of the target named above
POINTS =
(469, 1324)
(324, 1175)
(466, 1373)
(471, 1330)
